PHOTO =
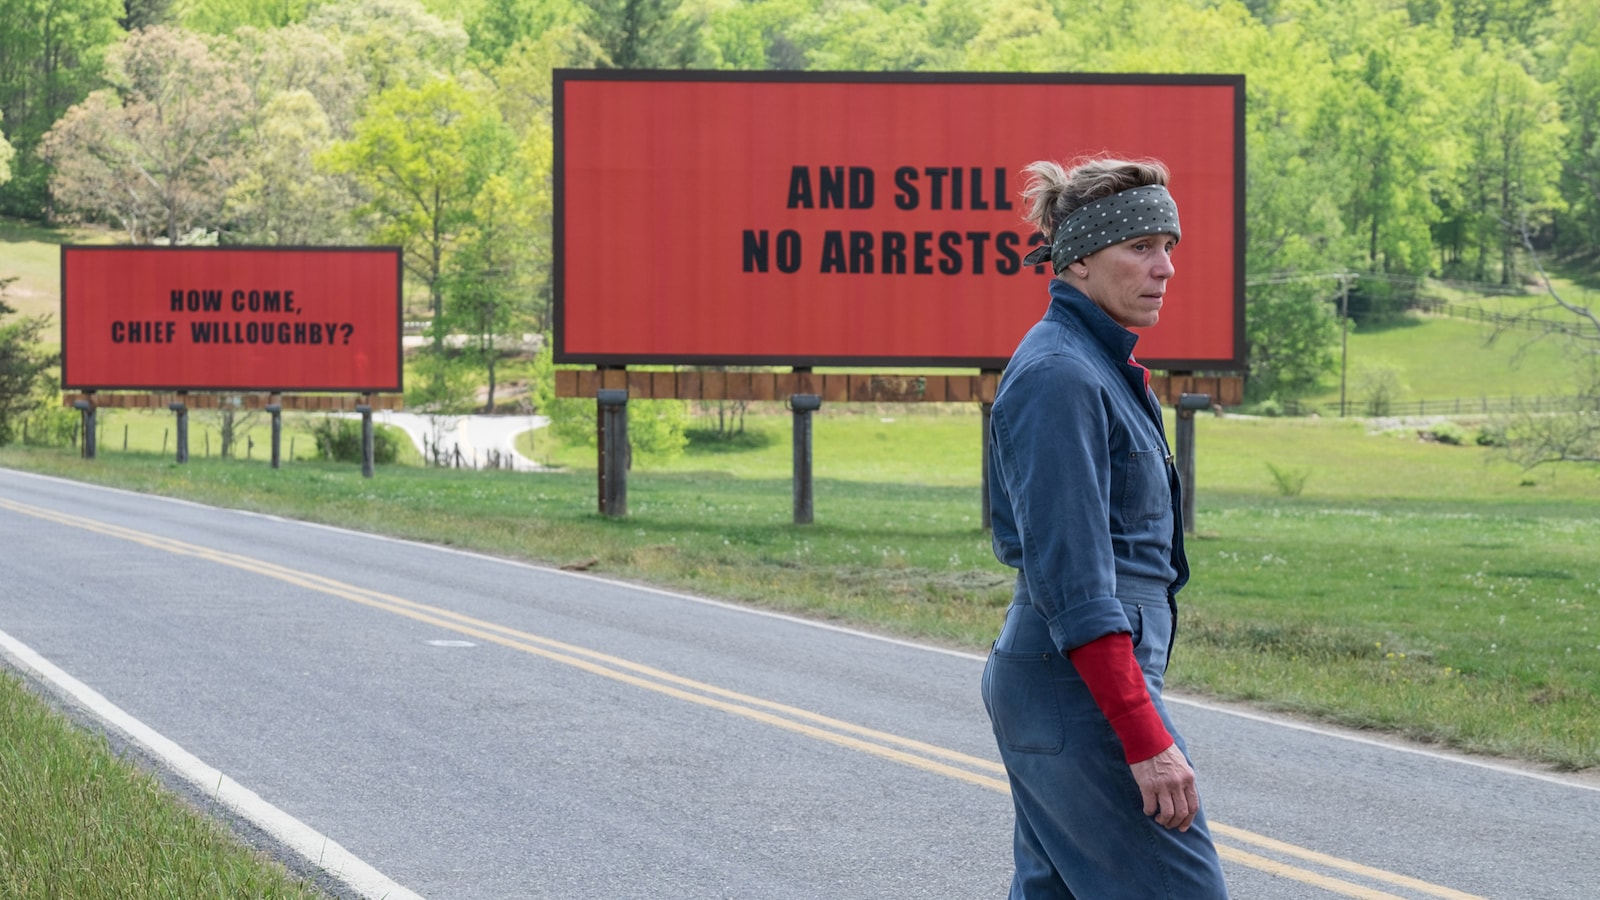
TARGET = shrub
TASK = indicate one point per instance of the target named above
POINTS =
(50, 426)
(1290, 482)
(1269, 407)
(1380, 387)
(712, 440)
(655, 427)
(1447, 433)
(24, 367)
(340, 440)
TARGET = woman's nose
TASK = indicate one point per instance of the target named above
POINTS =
(1164, 266)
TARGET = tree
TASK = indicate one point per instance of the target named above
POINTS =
(7, 152)
(480, 286)
(644, 34)
(50, 59)
(1022, 36)
(524, 96)
(223, 16)
(1570, 435)
(1383, 123)
(145, 14)
(444, 386)
(24, 366)
(866, 37)
(155, 151)
(657, 429)
(1576, 50)
(1295, 235)
(1466, 20)
(274, 61)
(523, 82)
(303, 98)
(233, 424)
(1292, 332)
(423, 154)
(496, 26)
(761, 34)
(280, 197)
(1514, 137)
(391, 42)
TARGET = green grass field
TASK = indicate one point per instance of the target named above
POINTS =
(1443, 359)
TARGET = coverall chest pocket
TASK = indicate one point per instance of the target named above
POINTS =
(1143, 486)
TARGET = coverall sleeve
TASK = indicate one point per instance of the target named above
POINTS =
(1051, 429)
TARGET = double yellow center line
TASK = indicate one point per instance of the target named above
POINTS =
(895, 748)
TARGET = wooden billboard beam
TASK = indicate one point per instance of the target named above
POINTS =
(856, 387)
(208, 400)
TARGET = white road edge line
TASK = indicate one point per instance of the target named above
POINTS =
(323, 852)
(962, 654)
(1387, 745)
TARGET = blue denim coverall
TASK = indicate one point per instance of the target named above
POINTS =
(1085, 504)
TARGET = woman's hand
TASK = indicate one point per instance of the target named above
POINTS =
(1167, 785)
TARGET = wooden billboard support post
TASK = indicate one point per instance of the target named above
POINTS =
(274, 408)
(181, 407)
(986, 510)
(991, 377)
(365, 408)
(1187, 405)
(803, 405)
(612, 404)
(86, 408)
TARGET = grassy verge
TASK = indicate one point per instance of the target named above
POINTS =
(1409, 585)
(76, 821)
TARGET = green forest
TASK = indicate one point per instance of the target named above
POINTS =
(1388, 140)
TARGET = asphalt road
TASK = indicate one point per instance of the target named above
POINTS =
(463, 727)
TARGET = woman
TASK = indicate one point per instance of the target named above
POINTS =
(1085, 504)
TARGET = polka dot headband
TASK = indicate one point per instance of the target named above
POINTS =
(1109, 220)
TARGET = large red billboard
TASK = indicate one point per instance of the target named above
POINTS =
(849, 218)
(231, 319)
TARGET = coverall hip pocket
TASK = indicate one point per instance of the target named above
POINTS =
(1020, 693)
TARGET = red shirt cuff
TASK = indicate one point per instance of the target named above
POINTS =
(1111, 672)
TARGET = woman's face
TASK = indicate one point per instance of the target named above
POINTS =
(1128, 280)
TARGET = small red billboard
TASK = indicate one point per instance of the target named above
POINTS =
(846, 218)
(231, 318)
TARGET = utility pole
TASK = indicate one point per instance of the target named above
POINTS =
(1344, 338)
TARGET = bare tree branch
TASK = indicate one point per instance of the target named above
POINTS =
(1572, 435)
(1580, 311)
